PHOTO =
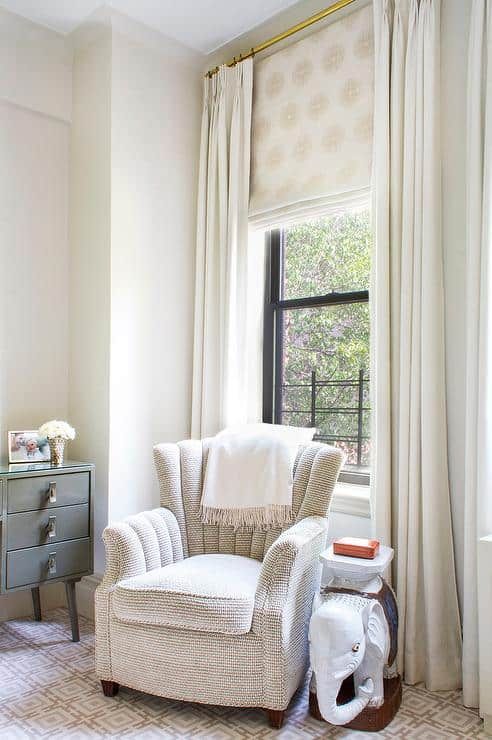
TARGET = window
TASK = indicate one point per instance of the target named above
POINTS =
(316, 333)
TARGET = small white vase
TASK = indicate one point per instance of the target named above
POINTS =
(57, 449)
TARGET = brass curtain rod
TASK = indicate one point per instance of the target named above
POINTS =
(285, 34)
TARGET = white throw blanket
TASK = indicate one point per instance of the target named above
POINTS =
(248, 480)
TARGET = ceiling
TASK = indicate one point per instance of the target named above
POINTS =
(203, 25)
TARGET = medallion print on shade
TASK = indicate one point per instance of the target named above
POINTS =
(312, 115)
(364, 128)
(333, 138)
(289, 115)
(350, 92)
(303, 148)
(333, 59)
(275, 157)
(364, 46)
(317, 106)
(302, 71)
(275, 84)
(262, 127)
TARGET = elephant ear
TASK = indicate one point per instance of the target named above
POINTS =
(376, 630)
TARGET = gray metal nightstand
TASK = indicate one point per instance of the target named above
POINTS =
(46, 529)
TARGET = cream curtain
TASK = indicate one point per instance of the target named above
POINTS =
(410, 472)
(221, 364)
(478, 431)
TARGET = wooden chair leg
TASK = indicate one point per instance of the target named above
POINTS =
(110, 688)
(276, 718)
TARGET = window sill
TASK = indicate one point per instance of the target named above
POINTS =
(352, 499)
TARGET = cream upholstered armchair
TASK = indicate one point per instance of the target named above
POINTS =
(201, 613)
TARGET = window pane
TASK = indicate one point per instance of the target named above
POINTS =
(325, 375)
(330, 254)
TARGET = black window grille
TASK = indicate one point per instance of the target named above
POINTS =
(342, 420)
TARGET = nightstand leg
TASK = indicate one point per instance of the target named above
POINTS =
(36, 603)
(72, 609)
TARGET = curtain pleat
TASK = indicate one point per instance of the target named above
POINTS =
(223, 310)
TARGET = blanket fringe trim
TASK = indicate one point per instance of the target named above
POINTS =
(261, 517)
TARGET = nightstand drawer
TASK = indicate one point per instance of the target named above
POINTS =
(38, 564)
(46, 492)
(33, 528)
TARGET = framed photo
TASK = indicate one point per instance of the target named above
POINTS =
(28, 447)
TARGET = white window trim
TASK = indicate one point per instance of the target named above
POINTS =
(352, 499)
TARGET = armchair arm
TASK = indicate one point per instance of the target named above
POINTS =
(148, 540)
(288, 581)
(139, 543)
(286, 561)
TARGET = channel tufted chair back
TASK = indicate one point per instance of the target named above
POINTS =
(181, 468)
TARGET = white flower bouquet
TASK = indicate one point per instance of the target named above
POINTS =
(58, 433)
(56, 430)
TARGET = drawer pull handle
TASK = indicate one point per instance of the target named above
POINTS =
(52, 492)
(52, 563)
(51, 528)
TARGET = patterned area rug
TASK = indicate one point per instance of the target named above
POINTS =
(48, 690)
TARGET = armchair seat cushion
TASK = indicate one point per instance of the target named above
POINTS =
(207, 593)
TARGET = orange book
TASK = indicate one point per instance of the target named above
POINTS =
(356, 547)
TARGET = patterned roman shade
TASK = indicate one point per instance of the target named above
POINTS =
(312, 120)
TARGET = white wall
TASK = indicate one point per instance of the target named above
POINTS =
(156, 113)
(35, 103)
(34, 257)
(36, 67)
(136, 120)
(90, 241)
(35, 108)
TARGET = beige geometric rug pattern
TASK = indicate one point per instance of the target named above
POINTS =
(48, 690)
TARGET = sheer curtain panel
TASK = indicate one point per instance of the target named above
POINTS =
(478, 433)
(220, 361)
(410, 471)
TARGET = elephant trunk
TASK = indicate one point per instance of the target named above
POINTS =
(341, 714)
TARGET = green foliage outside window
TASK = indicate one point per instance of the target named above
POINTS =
(330, 254)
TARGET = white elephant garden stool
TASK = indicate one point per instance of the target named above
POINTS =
(353, 646)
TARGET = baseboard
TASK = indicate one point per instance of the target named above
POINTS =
(18, 604)
(487, 724)
(85, 595)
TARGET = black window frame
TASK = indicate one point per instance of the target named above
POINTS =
(274, 306)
